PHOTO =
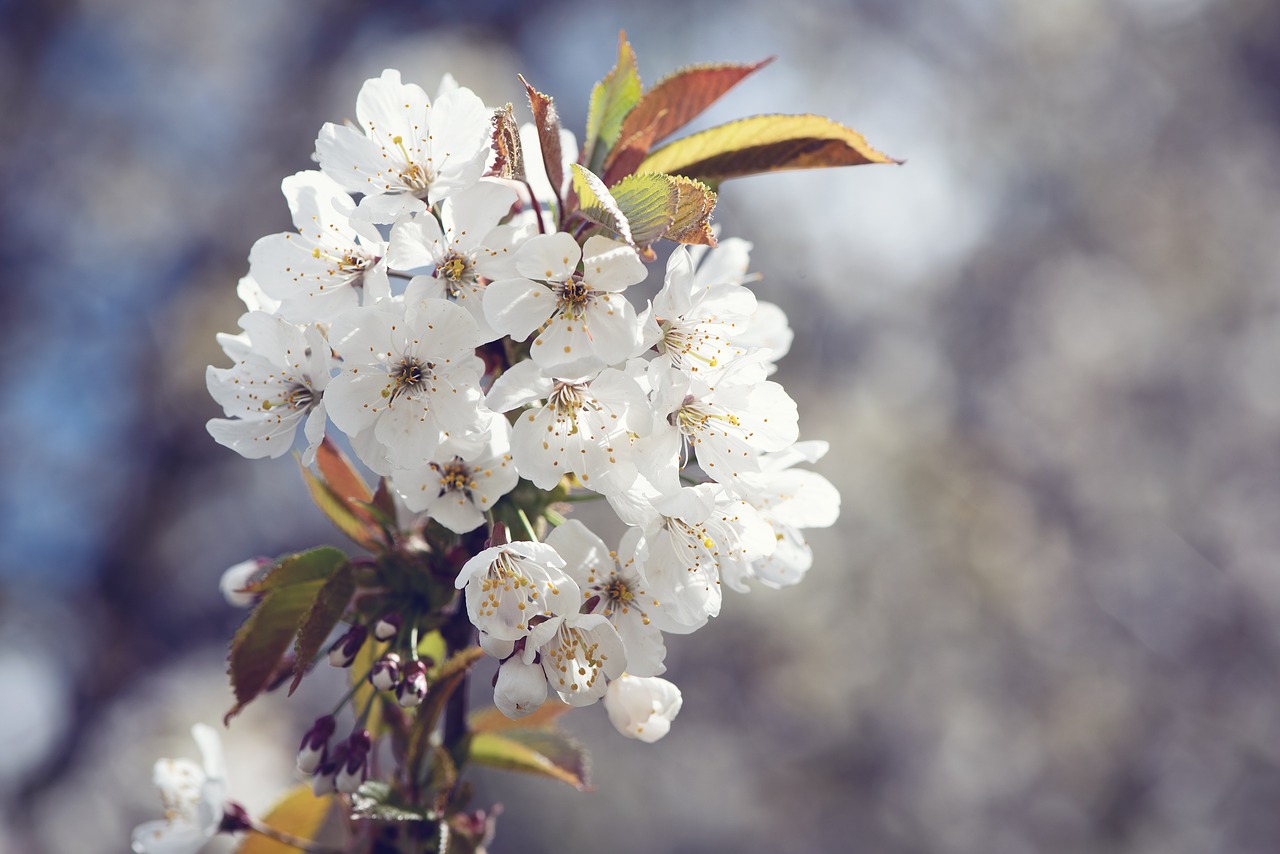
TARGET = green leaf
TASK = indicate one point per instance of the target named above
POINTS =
(597, 204)
(680, 97)
(611, 100)
(542, 752)
(648, 204)
(299, 813)
(547, 123)
(331, 602)
(493, 720)
(763, 144)
(291, 589)
(377, 801)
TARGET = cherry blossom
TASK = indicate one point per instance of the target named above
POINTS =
(193, 797)
(642, 708)
(506, 586)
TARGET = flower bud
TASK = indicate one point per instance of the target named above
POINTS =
(323, 781)
(240, 576)
(412, 690)
(520, 688)
(354, 770)
(642, 707)
(344, 650)
(315, 745)
(235, 818)
(386, 673)
(387, 627)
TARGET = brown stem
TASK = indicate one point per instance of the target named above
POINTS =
(289, 839)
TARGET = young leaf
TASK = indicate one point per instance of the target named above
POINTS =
(340, 475)
(694, 203)
(597, 204)
(546, 753)
(299, 813)
(291, 588)
(680, 97)
(648, 204)
(763, 144)
(347, 517)
(547, 123)
(611, 100)
(330, 603)
(509, 162)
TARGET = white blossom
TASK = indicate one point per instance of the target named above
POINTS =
(193, 797)
(641, 707)
(331, 264)
(578, 653)
(465, 249)
(407, 152)
(507, 586)
(790, 500)
(586, 322)
(694, 323)
(407, 385)
(612, 582)
(584, 427)
(457, 489)
(277, 383)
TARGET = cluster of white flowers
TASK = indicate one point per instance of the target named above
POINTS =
(374, 317)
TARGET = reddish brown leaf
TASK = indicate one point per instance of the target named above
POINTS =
(693, 213)
(505, 141)
(678, 98)
(628, 154)
(547, 123)
(340, 475)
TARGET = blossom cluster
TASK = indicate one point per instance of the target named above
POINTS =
(432, 312)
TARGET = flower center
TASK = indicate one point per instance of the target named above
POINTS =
(414, 175)
(407, 377)
(575, 295)
(567, 398)
(296, 396)
(455, 476)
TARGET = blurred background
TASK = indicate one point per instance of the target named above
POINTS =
(1046, 352)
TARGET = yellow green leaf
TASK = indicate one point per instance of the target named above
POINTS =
(299, 813)
(597, 204)
(542, 752)
(648, 205)
(763, 144)
(611, 100)
(344, 515)
(366, 695)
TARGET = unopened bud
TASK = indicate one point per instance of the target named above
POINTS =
(315, 745)
(345, 649)
(354, 770)
(235, 818)
(412, 689)
(387, 627)
(240, 576)
(386, 673)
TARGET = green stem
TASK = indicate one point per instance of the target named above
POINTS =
(528, 527)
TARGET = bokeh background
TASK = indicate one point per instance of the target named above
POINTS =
(1046, 352)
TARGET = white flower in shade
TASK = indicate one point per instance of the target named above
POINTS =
(578, 653)
(693, 538)
(586, 322)
(254, 297)
(507, 586)
(407, 152)
(277, 383)
(612, 584)
(521, 688)
(790, 500)
(407, 384)
(465, 249)
(193, 798)
(641, 707)
(236, 578)
(768, 330)
(728, 424)
(457, 489)
(331, 264)
(694, 324)
(582, 427)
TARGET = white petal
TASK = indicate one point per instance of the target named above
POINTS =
(517, 307)
(549, 257)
